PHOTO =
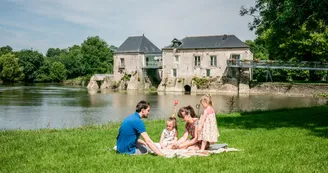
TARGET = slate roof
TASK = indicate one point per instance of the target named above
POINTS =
(209, 42)
(138, 44)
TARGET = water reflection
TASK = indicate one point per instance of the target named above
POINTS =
(57, 106)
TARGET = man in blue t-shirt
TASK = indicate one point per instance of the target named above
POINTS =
(127, 140)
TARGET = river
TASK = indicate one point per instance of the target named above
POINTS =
(57, 106)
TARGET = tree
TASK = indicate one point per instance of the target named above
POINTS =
(31, 61)
(58, 72)
(290, 28)
(10, 70)
(5, 49)
(52, 52)
(43, 73)
(258, 50)
(72, 61)
(97, 56)
(113, 48)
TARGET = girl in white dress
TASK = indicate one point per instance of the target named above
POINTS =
(169, 134)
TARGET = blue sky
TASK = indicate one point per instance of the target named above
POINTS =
(42, 24)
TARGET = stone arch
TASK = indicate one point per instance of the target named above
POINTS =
(187, 88)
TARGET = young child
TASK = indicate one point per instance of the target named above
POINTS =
(169, 134)
(208, 130)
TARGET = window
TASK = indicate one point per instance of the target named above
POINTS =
(197, 61)
(147, 61)
(208, 72)
(177, 57)
(213, 61)
(174, 72)
(235, 56)
(122, 62)
(235, 59)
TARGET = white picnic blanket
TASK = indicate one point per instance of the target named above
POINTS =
(186, 153)
(190, 153)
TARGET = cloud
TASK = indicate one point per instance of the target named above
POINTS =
(71, 21)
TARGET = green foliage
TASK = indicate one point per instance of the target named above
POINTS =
(152, 89)
(43, 73)
(113, 48)
(258, 50)
(72, 61)
(10, 71)
(52, 52)
(5, 49)
(93, 56)
(31, 61)
(86, 78)
(127, 77)
(284, 75)
(289, 29)
(97, 56)
(201, 83)
(58, 72)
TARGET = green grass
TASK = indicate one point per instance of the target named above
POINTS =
(290, 140)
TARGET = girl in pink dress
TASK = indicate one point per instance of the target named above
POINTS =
(208, 129)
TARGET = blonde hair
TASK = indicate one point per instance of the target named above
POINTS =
(174, 120)
(207, 98)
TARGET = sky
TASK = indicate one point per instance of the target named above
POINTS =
(43, 24)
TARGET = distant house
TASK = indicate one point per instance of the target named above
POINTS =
(202, 57)
(137, 57)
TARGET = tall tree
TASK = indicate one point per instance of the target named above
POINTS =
(291, 29)
(52, 52)
(72, 61)
(97, 56)
(10, 70)
(43, 73)
(258, 50)
(58, 72)
(5, 49)
(31, 61)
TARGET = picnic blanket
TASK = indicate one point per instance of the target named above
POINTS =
(186, 153)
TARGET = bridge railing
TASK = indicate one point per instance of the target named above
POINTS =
(310, 65)
(153, 64)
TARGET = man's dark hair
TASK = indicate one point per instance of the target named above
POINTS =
(142, 105)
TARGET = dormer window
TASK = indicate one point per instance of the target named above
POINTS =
(176, 43)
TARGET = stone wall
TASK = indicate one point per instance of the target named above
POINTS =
(132, 63)
(204, 85)
(288, 89)
(220, 76)
(186, 64)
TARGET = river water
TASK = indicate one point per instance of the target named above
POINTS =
(58, 106)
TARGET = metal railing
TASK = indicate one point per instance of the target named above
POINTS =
(302, 65)
(153, 64)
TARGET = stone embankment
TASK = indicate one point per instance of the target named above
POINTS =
(209, 85)
(289, 89)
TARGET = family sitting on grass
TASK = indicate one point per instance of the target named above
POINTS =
(203, 131)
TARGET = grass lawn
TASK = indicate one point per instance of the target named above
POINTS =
(292, 140)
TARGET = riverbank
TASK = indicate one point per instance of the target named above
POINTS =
(289, 140)
(289, 89)
(264, 88)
